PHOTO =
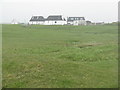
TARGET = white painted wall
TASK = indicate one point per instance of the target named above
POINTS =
(36, 22)
(48, 22)
(77, 22)
(71, 23)
(53, 22)
(81, 22)
(41, 22)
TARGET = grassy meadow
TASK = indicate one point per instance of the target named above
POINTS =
(39, 56)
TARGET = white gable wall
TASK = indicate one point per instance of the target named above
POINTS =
(40, 22)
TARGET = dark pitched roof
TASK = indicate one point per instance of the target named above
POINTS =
(75, 18)
(54, 17)
(37, 18)
(88, 22)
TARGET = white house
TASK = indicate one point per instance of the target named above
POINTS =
(76, 21)
(37, 20)
(55, 20)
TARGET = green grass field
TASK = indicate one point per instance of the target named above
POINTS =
(60, 56)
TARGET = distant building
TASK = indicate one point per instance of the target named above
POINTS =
(37, 20)
(58, 20)
(55, 20)
(50, 20)
(93, 23)
(76, 21)
(99, 23)
(88, 23)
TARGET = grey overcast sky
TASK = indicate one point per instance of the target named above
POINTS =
(93, 10)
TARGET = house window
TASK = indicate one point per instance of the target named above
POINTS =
(35, 17)
(72, 18)
(81, 19)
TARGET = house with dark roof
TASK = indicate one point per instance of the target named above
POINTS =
(76, 21)
(55, 20)
(88, 23)
(37, 20)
